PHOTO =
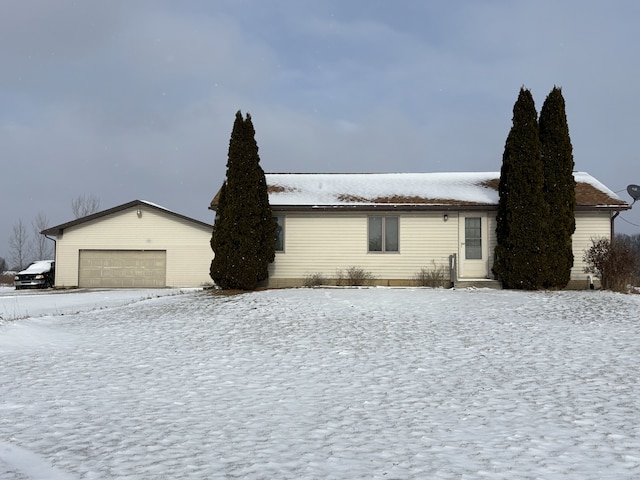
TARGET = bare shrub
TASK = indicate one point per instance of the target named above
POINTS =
(354, 277)
(613, 262)
(314, 280)
(433, 276)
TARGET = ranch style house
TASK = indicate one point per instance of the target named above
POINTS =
(394, 224)
(390, 225)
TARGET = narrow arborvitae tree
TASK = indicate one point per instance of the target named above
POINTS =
(265, 224)
(243, 237)
(559, 189)
(520, 231)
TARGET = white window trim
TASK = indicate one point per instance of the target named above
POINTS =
(383, 251)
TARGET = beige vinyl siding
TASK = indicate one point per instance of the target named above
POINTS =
(324, 242)
(187, 244)
(327, 242)
(589, 225)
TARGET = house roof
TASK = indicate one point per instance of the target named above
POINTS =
(58, 229)
(409, 190)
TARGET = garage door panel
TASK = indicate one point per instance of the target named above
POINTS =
(122, 268)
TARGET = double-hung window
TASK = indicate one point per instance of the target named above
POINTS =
(383, 234)
(279, 234)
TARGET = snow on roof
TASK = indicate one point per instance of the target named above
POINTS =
(456, 188)
(384, 188)
(151, 204)
(584, 177)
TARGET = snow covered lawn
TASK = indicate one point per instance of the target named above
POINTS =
(327, 383)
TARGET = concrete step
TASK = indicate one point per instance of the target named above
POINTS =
(478, 283)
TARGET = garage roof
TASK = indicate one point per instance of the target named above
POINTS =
(58, 229)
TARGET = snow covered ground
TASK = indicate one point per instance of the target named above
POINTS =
(16, 304)
(326, 383)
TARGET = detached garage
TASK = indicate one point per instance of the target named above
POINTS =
(135, 245)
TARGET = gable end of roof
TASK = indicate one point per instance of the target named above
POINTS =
(59, 229)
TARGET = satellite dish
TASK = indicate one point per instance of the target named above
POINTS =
(634, 191)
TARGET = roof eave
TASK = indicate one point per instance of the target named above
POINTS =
(382, 207)
(59, 229)
(419, 207)
(615, 207)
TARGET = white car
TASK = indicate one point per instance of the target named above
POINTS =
(40, 274)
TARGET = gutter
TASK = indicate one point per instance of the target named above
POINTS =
(55, 254)
(391, 207)
(55, 244)
(613, 217)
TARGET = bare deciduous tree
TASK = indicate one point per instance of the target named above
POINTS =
(19, 247)
(41, 244)
(85, 205)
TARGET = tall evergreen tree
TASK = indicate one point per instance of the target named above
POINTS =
(559, 189)
(522, 212)
(266, 225)
(243, 237)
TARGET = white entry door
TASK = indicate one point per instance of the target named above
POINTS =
(473, 252)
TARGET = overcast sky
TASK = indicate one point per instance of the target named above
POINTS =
(136, 99)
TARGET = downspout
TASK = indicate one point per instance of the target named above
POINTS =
(54, 243)
(55, 253)
(613, 217)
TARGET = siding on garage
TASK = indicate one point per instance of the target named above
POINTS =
(188, 252)
(122, 268)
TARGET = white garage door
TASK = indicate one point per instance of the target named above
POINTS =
(122, 268)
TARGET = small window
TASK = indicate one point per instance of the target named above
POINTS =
(383, 234)
(279, 234)
(473, 238)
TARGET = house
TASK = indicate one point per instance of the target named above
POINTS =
(393, 225)
(137, 244)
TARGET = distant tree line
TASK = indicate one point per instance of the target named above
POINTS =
(633, 243)
(27, 244)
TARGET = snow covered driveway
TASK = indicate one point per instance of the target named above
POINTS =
(327, 383)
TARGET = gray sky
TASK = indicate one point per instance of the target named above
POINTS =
(133, 100)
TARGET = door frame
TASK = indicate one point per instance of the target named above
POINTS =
(473, 268)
